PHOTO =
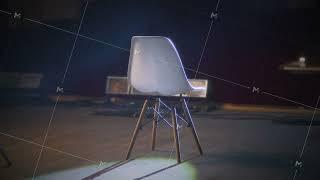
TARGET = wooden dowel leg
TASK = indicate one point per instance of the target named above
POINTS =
(193, 129)
(135, 133)
(155, 124)
(175, 134)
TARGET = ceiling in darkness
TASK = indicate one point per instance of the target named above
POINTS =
(60, 9)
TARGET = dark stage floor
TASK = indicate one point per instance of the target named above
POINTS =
(84, 139)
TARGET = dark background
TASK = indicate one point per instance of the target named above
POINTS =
(250, 40)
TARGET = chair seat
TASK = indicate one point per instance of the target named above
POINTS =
(155, 67)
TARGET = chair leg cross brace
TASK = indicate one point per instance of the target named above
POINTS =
(157, 118)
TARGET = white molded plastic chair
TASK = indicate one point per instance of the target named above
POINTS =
(155, 68)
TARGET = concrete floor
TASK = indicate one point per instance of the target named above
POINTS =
(85, 139)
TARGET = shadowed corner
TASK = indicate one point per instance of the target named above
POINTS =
(130, 169)
(5, 159)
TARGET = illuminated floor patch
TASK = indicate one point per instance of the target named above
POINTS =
(146, 168)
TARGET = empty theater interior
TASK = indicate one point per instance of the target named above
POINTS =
(175, 90)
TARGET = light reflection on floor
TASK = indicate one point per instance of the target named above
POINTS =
(139, 168)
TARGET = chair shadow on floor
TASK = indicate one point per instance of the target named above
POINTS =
(112, 167)
(168, 167)
(107, 169)
(121, 163)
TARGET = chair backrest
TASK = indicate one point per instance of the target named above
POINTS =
(155, 67)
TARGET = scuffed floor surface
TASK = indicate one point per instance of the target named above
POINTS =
(83, 140)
